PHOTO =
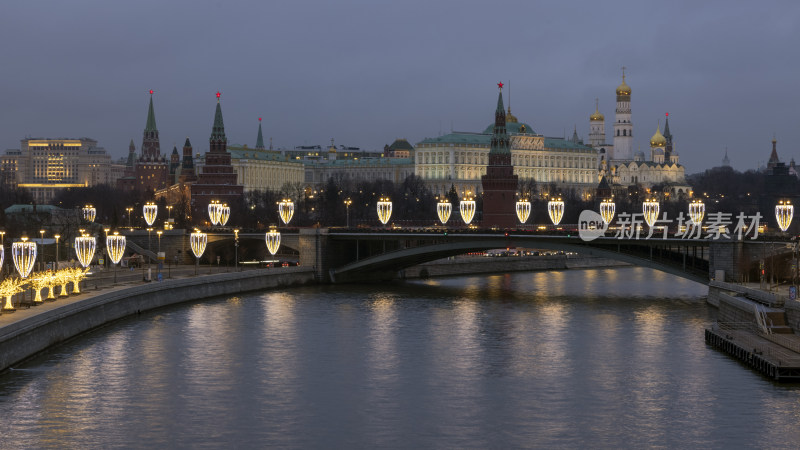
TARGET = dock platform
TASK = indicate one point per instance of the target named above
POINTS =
(775, 355)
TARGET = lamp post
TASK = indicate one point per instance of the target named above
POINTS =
(555, 209)
(236, 248)
(523, 210)
(169, 211)
(24, 256)
(106, 230)
(58, 236)
(607, 210)
(273, 240)
(130, 211)
(41, 244)
(3, 248)
(347, 203)
(149, 247)
(650, 209)
(467, 209)
(783, 214)
(89, 213)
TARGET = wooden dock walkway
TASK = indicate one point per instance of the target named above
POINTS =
(774, 355)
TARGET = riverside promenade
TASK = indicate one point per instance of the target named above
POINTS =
(28, 331)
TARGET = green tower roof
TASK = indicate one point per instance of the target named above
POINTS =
(260, 139)
(151, 116)
(218, 131)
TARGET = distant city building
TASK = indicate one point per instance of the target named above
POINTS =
(355, 166)
(46, 166)
(260, 169)
(216, 179)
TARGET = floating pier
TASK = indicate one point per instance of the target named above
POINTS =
(775, 355)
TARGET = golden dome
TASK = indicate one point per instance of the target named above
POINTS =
(658, 139)
(510, 118)
(597, 115)
(623, 89)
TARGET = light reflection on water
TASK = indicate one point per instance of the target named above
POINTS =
(600, 358)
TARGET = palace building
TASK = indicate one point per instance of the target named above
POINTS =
(460, 159)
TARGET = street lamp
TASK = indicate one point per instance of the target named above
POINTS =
(607, 210)
(129, 210)
(149, 247)
(2, 250)
(523, 210)
(58, 236)
(115, 244)
(347, 203)
(384, 209)
(169, 211)
(286, 210)
(236, 248)
(198, 241)
(784, 211)
(159, 232)
(650, 209)
(555, 209)
(24, 256)
(443, 210)
(41, 244)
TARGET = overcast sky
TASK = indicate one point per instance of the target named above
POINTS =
(368, 72)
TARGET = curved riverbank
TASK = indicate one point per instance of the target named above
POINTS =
(29, 331)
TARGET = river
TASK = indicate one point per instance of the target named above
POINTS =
(600, 358)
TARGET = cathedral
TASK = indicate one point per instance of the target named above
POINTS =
(621, 166)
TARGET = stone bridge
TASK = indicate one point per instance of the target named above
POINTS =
(351, 255)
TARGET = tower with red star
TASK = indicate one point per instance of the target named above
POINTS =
(499, 184)
(217, 179)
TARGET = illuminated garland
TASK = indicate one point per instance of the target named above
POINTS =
(224, 214)
(555, 209)
(697, 210)
(198, 240)
(115, 244)
(467, 209)
(24, 255)
(384, 210)
(650, 210)
(89, 213)
(150, 210)
(784, 212)
(607, 210)
(286, 210)
(84, 249)
(443, 210)
(214, 211)
(273, 240)
(523, 210)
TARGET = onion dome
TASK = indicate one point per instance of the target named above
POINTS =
(623, 89)
(597, 116)
(658, 139)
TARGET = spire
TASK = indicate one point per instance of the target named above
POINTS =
(151, 116)
(726, 162)
(500, 142)
(187, 143)
(667, 134)
(218, 130)
(260, 139)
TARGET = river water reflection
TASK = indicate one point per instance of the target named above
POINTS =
(598, 358)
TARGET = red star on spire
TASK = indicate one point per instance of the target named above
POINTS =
(151, 92)
(218, 94)
(667, 114)
(500, 85)
(259, 119)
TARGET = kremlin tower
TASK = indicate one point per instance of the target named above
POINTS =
(623, 128)
(499, 184)
(217, 179)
